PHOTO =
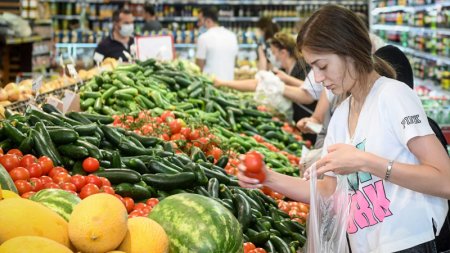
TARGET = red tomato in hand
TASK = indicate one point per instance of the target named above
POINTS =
(253, 162)
(90, 164)
(88, 190)
(9, 161)
(22, 186)
(19, 173)
(46, 164)
(27, 160)
(79, 181)
(261, 176)
(35, 169)
(16, 152)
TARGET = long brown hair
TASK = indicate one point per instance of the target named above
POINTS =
(282, 40)
(337, 30)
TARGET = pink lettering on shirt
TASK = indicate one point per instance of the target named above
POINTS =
(377, 197)
(368, 207)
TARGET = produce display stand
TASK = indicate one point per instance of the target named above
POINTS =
(159, 135)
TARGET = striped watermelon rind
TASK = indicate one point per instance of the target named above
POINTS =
(196, 223)
(6, 181)
(60, 201)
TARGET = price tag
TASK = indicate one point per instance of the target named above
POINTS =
(55, 102)
(37, 83)
(71, 101)
(98, 57)
(72, 71)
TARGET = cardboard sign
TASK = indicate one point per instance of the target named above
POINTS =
(55, 102)
(71, 102)
(159, 47)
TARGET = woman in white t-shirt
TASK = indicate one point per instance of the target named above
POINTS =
(379, 138)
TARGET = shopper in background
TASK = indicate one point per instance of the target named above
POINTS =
(285, 58)
(121, 38)
(217, 48)
(378, 139)
(265, 30)
(151, 23)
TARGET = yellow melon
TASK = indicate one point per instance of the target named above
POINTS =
(32, 244)
(145, 235)
(6, 194)
(20, 217)
(116, 251)
(98, 224)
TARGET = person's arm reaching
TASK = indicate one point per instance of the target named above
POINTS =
(297, 95)
(240, 85)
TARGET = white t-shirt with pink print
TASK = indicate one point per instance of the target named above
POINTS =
(386, 217)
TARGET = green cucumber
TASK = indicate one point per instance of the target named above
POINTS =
(134, 191)
(86, 130)
(213, 187)
(73, 151)
(13, 133)
(63, 135)
(162, 181)
(279, 245)
(98, 118)
(158, 167)
(137, 165)
(120, 175)
(244, 212)
(93, 150)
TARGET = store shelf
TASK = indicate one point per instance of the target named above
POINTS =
(428, 56)
(417, 8)
(13, 41)
(228, 19)
(68, 17)
(178, 45)
(258, 2)
(41, 53)
(404, 28)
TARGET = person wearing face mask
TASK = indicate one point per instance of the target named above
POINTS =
(217, 48)
(287, 66)
(379, 144)
(265, 30)
(121, 38)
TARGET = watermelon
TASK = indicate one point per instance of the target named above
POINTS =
(6, 181)
(196, 223)
(60, 201)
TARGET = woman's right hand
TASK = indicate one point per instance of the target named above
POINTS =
(218, 83)
(251, 182)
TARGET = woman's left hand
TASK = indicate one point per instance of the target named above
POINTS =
(281, 74)
(342, 159)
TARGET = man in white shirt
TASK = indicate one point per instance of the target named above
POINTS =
(217, 48)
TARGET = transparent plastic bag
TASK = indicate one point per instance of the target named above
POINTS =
(328, 217)
(269, 92)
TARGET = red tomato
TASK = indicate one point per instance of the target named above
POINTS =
(119, 197)
(194, 135)
(107, 189)
(16, 152)
(9, 161)
(57, 170)
(147, 129)
(253, 162)
(35, 169)
(105, 181)
(261, 176)
(51, 186)
(19, 173)
(27, 160)
(46, 164)
(185, 131)
(79, 181)
(61, 177)
(152, 202)
(93, 179)
(36, 184)
(177, 137)
(129, 204)
(136, 213)
(46, 179)
(68, 186)
(175, 126)
(248, 246)
(167, 114)
(1, 151)
(139, 206)
(216, 153)
(258, 250)
(22, 186)
(164, 137)
(88, 190)
(90, 164)
(27, 195)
